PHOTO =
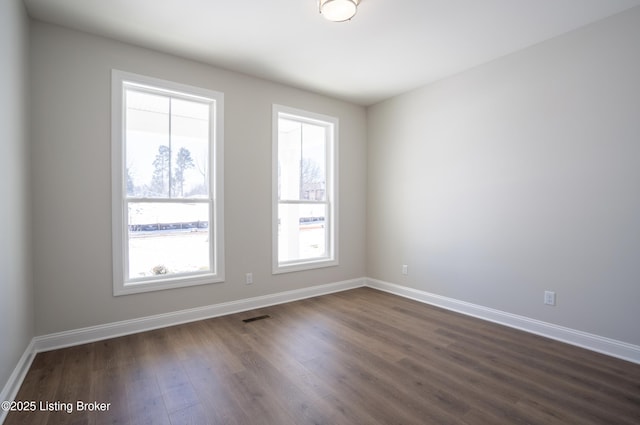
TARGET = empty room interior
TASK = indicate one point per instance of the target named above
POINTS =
(320, 212)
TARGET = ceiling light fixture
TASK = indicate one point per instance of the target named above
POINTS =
(338, 10)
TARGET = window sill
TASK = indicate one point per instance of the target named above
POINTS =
(306, 265)
(169, 283)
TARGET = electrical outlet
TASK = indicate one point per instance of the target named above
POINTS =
(549, 298)
(248, 278)
(405, 269)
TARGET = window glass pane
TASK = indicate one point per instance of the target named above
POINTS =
(168, 238)
(289, 157)
(189, 149)
(147, 144)
(313, 163)
(301, 161)
(301, 231)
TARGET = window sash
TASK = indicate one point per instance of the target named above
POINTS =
(327, 235)
(177, 275)
(172, 142)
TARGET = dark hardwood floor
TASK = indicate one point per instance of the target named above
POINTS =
(355, 357)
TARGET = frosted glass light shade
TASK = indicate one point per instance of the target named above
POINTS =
(338, 10)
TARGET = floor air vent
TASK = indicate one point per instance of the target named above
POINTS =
(253, 319)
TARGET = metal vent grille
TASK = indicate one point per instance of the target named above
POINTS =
(253, 319)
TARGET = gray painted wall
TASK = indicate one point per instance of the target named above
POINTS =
(514, 177)
(71, 136)
(16, 288)
(518, 176)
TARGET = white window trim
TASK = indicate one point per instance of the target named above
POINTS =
(332, 190)
(119, 213)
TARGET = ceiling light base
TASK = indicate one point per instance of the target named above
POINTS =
(338, 10)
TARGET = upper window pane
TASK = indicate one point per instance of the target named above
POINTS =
(302, 161)
(313, 164)
(147, 135)
(167, 146)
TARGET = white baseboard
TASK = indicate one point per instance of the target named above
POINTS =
(611, 347)
(12, 386)
(126, 327)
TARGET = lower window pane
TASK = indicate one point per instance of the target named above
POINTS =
(168, 239)
(302, 232)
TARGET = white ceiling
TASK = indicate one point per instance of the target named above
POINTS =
(391, 46)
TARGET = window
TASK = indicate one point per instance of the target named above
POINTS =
(304, 195)
(166, 184)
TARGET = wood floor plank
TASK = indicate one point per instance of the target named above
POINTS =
(356, 357)
(215, 391)
(569, 387)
